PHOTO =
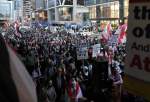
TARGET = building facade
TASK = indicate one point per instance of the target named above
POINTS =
(6, 10)
(18, 10)
(41, 10)
(66, 11)
(114, 11)
(27, 8)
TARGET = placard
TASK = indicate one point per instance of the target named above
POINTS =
(82, 53)
(96, 50)
(113, 40)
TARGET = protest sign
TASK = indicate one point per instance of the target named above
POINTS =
(138, 47)
(83, 44)
(82, 53)
(96, 50)
(113, 40)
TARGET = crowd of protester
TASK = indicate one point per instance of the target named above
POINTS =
(51, 60)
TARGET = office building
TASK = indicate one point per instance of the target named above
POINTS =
(27, 8)
(41, 10)
(114, 11)
(63, 11)
(18, 10)
(6, 10)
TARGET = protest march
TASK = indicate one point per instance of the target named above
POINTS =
(65, 67)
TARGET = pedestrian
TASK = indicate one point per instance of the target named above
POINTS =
(117, 85)
(59, 83)
(51, 93)
(74, 90)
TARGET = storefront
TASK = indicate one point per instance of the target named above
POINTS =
(108, 11)
(66, 11)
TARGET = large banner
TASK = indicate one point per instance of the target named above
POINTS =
(138, 47)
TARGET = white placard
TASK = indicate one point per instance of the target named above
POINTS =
(82, 53)
(96, 50)
(138, 40)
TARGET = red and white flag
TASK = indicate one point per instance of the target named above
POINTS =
(122, 35)
(78, 93)
(109, 29)
(16, 26)
(106, 34)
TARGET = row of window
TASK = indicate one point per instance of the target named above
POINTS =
(108, 10)
(41, 4)
(64, 13)
(51, 3)
(94, 2)
(105, 11)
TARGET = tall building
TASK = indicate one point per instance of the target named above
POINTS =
(114, 11)
(6, 10)
(27, 8)
(18, 10)
(63, 11)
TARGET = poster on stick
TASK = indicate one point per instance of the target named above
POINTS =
(96, 50)
(82, 53)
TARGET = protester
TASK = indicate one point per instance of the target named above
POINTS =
(74, 91)
(117, 84)
(51, 93)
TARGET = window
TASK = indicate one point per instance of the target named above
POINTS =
(69, 2)
(126, 7)
(5, 11)
(90, 2)
(52, 14)
(65, 13)
(80, 2)
(92, 12)
(51, 3)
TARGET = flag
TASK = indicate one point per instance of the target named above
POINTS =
(102, 27)
(16, 84)
(109, 29)
(122, 35)
(106, 34)
(78, 91)
(16, 26)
